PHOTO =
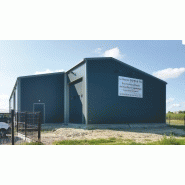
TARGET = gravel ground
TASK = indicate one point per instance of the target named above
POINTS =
(131, 132)
(137, 134)
(8, 141)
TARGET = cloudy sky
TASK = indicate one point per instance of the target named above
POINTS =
(163, 59)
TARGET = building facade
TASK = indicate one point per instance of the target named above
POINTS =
(95, 91)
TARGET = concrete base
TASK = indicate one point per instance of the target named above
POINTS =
(23, 137)
(51, 126)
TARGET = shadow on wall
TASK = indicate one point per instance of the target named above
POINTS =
(75, 103)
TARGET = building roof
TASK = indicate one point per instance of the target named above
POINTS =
(103, 58)
(83, 61)
(36, 75)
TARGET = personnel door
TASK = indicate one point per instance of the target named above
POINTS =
(40, 107)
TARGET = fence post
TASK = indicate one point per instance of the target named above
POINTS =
(169, 119)
(12, 120)
(184, 120)
(39, 127)
(25, 126)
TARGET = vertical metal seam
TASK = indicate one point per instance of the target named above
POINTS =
(9, 105)
(14, 98)
(20, 95)
(165, 104)
(86, 94)
(66, 100)
(65, 121)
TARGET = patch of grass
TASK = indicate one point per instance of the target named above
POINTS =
(85, 142)
(118, 141)
(175, 116)
(168, 141)
(149, 140)
(33, 143)
(109, 141)
(175, 122)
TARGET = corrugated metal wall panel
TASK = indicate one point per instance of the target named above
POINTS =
(49, 89)
(104, 104)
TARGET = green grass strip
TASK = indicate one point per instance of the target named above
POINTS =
(32, 143)
(113, 141)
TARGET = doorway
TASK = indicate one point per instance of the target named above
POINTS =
(40, 107)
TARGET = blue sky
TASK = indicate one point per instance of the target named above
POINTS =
(164, 59)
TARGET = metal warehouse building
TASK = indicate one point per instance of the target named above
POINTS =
(95, 91)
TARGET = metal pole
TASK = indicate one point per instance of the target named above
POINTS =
(39, 127)
(25, 124)
(12, 120)
(169, 119)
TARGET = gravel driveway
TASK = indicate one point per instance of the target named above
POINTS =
(137, 134)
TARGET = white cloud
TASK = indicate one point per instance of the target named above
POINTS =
(48, 71)
(169, 73)
(174, 105)
(4, 103)
(183, 104)
(169, 100)
(60, 70)
(4, 110)
(98, 50)
(114, 52)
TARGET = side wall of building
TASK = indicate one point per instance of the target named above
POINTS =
(104, 104)
(49, 89)
(76, 95)
(14, 101)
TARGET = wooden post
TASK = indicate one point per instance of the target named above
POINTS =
(184, 120)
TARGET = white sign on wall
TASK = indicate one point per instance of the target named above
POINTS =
(130, 87)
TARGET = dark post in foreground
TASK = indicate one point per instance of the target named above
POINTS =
(39, 127)
(184, 120)
(169, 119)
(12, 120)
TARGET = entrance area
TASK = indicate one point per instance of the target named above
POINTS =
(40, 107)
(75, 101)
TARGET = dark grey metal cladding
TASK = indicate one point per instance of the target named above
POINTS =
(76, 82)
(49, 89)
(19, 95)
(75, 103)
(104, 104)
(40, 107)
